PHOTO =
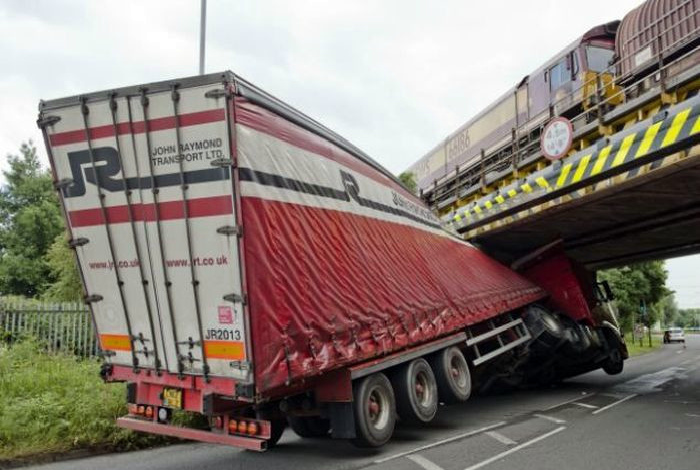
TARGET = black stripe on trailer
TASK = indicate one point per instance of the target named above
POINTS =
(278, 181)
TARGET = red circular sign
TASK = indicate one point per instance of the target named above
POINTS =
(556, 138)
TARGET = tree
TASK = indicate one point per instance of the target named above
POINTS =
(670, 310)
(66, 286)
(408, 179)
(689, 317)
(30, 221)
(638, 290)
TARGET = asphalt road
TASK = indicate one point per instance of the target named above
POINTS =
(648, 417)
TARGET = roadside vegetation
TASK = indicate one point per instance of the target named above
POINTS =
(635, 348)
(54, 403)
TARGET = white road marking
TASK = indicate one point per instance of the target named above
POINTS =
(584, 405)
(568, 401)
(501, 438)
(443, 441)
(423, 462)
(551, 418)
(691, 415)
(516, 448)
(615, 403)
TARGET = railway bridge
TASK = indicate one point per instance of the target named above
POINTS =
(630, 193)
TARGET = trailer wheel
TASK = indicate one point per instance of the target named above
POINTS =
(309, 426)
(416, 392)
(452, 375)
(374, 407)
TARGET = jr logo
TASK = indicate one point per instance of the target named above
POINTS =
(107, 167)
(350, 184)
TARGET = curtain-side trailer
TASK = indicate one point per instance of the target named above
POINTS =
(243, 261)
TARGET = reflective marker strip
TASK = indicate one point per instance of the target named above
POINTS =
(563, 175)
(602, 158)
(644, 139)
(583, 164)
(675, 129)
(110, 342)
(696, 127)
(224, 350)
(648, 139)
(624, 148)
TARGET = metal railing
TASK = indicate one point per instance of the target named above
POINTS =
(61, 327)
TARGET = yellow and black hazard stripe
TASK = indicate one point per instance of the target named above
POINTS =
(668, 131)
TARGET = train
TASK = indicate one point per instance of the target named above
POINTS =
(604, 67)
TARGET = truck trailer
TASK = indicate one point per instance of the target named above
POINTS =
(242, 261)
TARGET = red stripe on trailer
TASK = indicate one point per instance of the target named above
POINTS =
(266, 121)
(138, 127)
(169, 210)
(374, 286)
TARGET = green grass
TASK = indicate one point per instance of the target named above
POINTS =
(635, 349)
(52, 403)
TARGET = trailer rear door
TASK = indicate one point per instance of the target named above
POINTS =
(145, 180)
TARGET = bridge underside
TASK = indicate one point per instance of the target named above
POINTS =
(652, 216)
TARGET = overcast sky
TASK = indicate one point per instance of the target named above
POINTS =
(394, 77)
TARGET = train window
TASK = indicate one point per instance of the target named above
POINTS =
(558, 75)
(598, 58)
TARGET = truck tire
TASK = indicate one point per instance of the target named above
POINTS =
(309, 426)
(277, 425)
(416, 392)
(615, 361)
(614, 364)
(374, 407)
(577, 337)
(546, 329)
(452, 375)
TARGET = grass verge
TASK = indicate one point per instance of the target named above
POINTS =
(54, 403)
(635, 349)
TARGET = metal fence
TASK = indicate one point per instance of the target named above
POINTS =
(65, 327)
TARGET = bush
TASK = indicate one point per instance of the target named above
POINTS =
(55, 402)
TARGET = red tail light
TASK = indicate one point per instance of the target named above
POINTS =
(252, 428)
(149, 412)
(242, 427)
(232, 425)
